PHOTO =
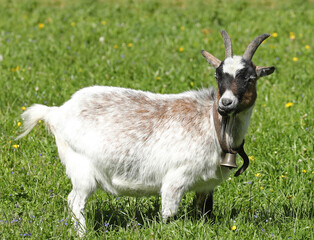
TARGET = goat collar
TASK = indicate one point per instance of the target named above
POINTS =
(221, 135)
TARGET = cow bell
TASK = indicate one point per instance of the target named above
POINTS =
(229, 161)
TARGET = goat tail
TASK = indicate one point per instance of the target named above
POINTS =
(31, 116)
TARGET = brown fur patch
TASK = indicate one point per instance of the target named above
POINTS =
(248, 98)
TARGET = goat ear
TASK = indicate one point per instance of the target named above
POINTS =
(215, 62)
(264, 71)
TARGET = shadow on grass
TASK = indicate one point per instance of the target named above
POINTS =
(120, 214)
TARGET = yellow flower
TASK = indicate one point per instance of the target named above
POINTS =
(283, 176)
(103, 22)
(157, 78)
(72, 24)
(275, 34)
(291, 36)
(233, 228)
(304, 171)
(252, 158)
(181, 49)
(23, 108)
(258, 175)
(15, 69)
(115, 46)
(130, 45)
(15, 146)
(295, 59)
(191, 84)
(289, 104)
(182, 28)
(307, 47)
(39, 121)
(271, 190)
(261, 188)
(41, 25)
(19, 124)
(205, 31)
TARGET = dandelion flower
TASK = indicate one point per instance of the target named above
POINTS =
(295, 59)
(41, 25)
(275, 35)
(252, 158)
(23, 108)
(115, 46)
(307, 47)
(233, 228)
(182, 28)
(257, 175)
(130, 45)
(289, 104)
(191, 84)
(157, 78)
(72, 24)
(19, 124)
(261, 188)
(15, 146)
(205, 31)
(103, 22)
(291, 35)
(304, 171)
(181, 49)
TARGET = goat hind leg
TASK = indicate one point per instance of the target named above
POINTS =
(76, 202)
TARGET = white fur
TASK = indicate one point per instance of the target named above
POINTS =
(135, 143)
(229, 95)
(238, 126)
(232, 65)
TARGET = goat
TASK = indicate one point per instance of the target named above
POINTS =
(135, 143)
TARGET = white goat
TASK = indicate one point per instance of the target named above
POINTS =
(135, 143)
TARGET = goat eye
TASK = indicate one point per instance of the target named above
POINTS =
(250, 78)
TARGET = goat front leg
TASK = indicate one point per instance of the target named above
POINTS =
(205, 202)
(171, 194)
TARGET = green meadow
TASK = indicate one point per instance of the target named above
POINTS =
(49, 49)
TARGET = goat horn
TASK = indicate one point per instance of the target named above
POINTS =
(249, 52)
(215, 62)
(228, 44)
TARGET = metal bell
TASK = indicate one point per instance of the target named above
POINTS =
(229, 161)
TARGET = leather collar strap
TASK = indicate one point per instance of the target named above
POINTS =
(222, 140)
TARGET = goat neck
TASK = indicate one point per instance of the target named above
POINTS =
(221, 124)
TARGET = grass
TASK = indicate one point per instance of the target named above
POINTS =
(50, 49)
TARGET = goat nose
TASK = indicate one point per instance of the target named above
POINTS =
(226, 101)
